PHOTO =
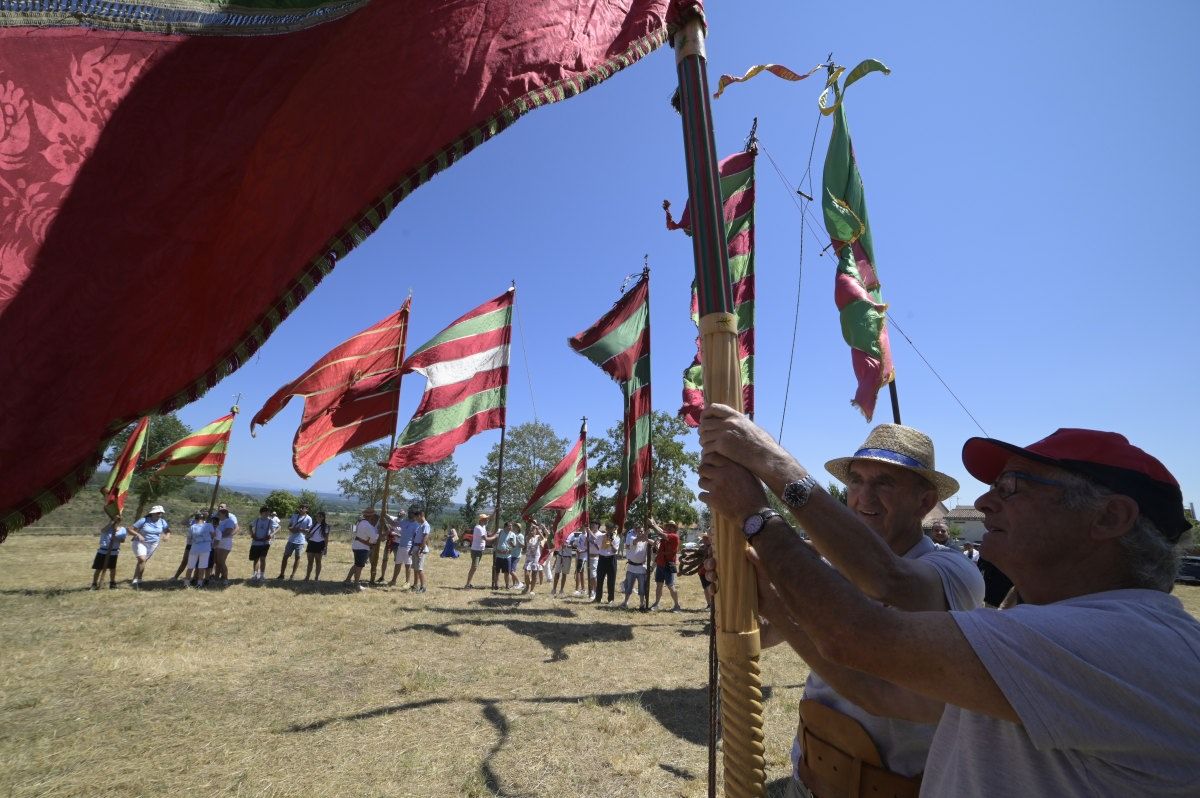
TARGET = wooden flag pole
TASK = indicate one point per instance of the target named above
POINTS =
(503, 430)
(738, 643)
(387, 473)
(212, 503)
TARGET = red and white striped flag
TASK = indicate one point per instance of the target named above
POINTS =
(349, 394)
(466, 366)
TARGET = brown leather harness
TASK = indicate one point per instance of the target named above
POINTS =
(841, 761)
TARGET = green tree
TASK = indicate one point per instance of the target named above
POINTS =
(313, 501)
(164, 430)
(673, 466)
(365, 482)
(469, 512)
(281, 502)
(837, 491)
(432, 485)
(530, 450)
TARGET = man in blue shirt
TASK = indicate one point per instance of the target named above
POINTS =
(407, 528)
(150, 530)
(298, 526)
(112, 535)
(261, 532)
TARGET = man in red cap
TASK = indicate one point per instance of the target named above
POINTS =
(1079, 691)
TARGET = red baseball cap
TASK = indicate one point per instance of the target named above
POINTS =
(1106, 458)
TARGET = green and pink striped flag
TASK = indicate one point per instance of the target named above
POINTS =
(737, 195)
(466, 368)
(198, 454)
(857, 291)
(564, 489)
(117, 485)
(619, 343)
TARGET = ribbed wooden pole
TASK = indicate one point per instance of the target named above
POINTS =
(737, 600)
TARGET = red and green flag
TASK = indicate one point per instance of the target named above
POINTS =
(737, 195)
(173, 146)
(117, 485)
(350, 394)
(466, 368)
(619, 343)
(564, 489)
(198, 454)
(857, 290)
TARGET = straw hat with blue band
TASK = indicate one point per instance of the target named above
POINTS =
(901, 446)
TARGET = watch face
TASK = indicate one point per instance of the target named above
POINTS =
(796, 493)
(752, 525)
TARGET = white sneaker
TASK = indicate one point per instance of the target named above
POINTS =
(577, 593)
(362, 587)
(135, 583)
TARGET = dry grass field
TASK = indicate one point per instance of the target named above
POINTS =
(292, 689)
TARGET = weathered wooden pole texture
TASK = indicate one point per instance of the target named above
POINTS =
(737, 600)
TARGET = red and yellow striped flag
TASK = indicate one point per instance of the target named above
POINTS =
(117, 486)
(198, 454)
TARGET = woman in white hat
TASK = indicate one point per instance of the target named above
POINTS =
(150, 530)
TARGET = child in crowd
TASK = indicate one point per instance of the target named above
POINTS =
(533, 553)
(112, 535)
(201, 535)
(262, 531)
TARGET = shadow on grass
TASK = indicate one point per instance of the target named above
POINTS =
(682, 711)
(554, 636)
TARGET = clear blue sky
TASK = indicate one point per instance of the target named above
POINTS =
(1031, 177)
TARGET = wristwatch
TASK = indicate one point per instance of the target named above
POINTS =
(796, 494)
(755, 523)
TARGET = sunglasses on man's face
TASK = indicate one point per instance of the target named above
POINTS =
(1005, 485)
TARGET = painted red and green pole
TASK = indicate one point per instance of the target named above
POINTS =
(737, 602)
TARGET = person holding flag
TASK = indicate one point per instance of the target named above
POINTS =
(366, 534)
(150, 530)
(201, 537)
(111, 536)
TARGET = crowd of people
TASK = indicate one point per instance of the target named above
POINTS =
(583, 561)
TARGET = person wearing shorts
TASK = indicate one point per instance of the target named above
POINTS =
(636, 555)
(150, 530)
(227, 526)
(533, 552)
(318, 544)
(366, 535)
(405, 530)
(666, 563)
(262, 530)
(514, 556)
(479, 540)
(112, 535)
(592, 541)
(298, 526)
(561, 565)
(418, 549)
(505, 540)
(201, 536)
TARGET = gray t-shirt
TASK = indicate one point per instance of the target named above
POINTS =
(904, 744)
(1104, 686)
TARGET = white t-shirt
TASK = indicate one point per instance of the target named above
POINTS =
(420, 537)
(366, 530)
(261, 530)
(902, 744)
(635, 557)
(226, 526)
(318, 532)
(593, 543)
(533, 548)
(1105, 689)
(478, 538)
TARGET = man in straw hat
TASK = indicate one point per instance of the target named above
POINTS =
(1076, 692)
(366, 535)
(877, 543)
(148, 532)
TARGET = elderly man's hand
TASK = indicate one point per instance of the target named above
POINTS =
(729, 489)
(733, 435)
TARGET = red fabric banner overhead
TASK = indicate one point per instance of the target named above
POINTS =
(153, 152)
